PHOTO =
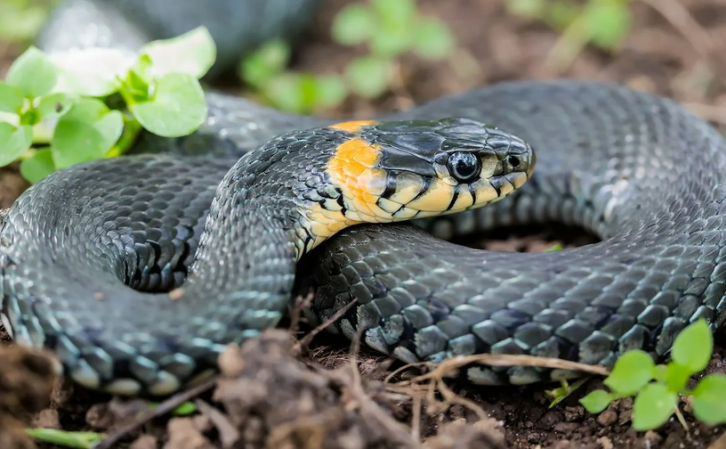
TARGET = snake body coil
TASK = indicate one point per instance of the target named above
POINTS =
(637, 170)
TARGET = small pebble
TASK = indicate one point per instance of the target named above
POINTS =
(607, 418)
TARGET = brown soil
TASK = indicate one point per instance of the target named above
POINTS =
(273, 393)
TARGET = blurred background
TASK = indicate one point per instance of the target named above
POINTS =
(360, 57)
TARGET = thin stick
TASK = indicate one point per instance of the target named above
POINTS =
(309, 337)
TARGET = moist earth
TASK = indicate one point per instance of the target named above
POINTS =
(282, 391)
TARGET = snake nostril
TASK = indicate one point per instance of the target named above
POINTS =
(514, 161)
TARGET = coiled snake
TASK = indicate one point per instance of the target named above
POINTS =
(638, 170)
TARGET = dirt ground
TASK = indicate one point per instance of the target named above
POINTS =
(278, 393)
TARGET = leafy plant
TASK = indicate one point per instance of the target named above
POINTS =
(387, 28)
(603, 23)
(657, 388)
(61, 104)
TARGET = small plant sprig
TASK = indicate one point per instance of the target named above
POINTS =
(657, 388)
(387, 28)
(55, 110)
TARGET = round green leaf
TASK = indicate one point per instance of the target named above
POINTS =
(433, 39)
(33, 73)
(397, 12)
(86, 132)
(20, 21)
(368, 76)
(596, 401)
(37, 166)
(11, 98)
(693, 346)
(353, 25)
(607, 22)
(262, 65)
(92, 72)
(709, 400)
(177, 107)
(653, 406)
(331, 90)
(391, 41)
(192, 53)
(14, 141)
(631, 372)
(527, 8)
(53, 106)
(676, 376)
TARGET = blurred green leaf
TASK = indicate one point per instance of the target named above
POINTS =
(631, 372)
(77, 440)
(177, 107)
(709, 403)
(268, 61)
(54, 105)
(527, 8)
(192, 53)
(14, 141)
(11, 98)
(653, 406)
(693, 347)
(608, 23)
(86, 132)
(33, 73)
(37, 166)
(560, 14)
(331, 90)
(391, 41)
(676, 376)
(368, 76)
(432, 39)
(353, 25)
(20, 21)
(395, 13)
(596, 401)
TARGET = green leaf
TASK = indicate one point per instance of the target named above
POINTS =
(37, 166)
(78, 440)
(86, 132)
(596, 401)
(391, 41)
(54, 105)
(33, 73)
(14, 141)
(561, 14)
(368, 76)
(631, 372)
(709, 405)
(292, 92)
(268, 61)
(555, 247)
(607, 22)
(11, 98)
(353, 25)
(676, 376)
(693, 346)
(331, 90)
(653, 406)
(192, 53)
(91, 72)
(527, 8)
(399, 13)
(20, 21)
(432, 39)
(177, 108)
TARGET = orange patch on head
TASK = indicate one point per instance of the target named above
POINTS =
(353, 126)
(351, 170)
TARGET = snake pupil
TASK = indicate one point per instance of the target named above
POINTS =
(463, 166)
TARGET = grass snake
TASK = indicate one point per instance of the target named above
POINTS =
(88, 254)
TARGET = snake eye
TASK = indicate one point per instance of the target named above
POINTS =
(463, 166)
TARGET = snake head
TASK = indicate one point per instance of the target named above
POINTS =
(399, 170)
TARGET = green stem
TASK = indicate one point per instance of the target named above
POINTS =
(132, 128)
